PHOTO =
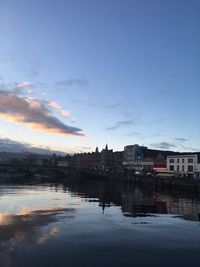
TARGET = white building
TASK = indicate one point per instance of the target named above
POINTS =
(131, 154)
(184, 164)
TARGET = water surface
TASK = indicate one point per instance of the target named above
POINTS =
(97, 223)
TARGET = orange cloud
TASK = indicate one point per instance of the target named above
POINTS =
(34, 113)
(56, 106)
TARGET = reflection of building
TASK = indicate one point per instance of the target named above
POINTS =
(188, 164)
(189, 208)
(135, 201)
(134, 204)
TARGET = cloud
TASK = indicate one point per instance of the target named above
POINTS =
(81, 149)
(180, 139)
(65, 113)
(34, 113)
(72, 83)
(189, 148)
(26, 224)
(193, 149)
(53, 232)
(22, 88)
(9, 145)
(24, 84)
(121, 124)
(133, 134)
(56, 106)
(163, 145)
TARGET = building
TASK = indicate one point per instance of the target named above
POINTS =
(145, 165)
(89, 161)
(63, 163)
(141, 158)
(105, 160)
(184, 164)
(132, 153)
(118, 158)
(160, 162)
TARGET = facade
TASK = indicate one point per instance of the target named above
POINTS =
(106, 160)
(62, 163)
(89, 161)
(145, 165)
(184, 164)
(140, 158)
(133, 153)
(118, 157)
(160, 161)
(129, 154)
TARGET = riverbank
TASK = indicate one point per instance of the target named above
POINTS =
(185, 184)
(178, 183)
(48, 174)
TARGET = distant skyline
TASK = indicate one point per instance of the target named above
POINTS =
(76, 74)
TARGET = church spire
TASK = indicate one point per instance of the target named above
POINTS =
(106, 147)
(97, 150)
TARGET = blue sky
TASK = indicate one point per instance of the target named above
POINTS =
(126, 71)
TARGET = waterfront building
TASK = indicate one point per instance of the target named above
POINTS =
(89, 161)
(118, 158)
(146, 165)
(104, 160)
(185, 164)
(107, 159)
(132, 153)
(141, 158)
(160, 161)
(62, 163)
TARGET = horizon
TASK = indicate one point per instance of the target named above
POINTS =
(23, 148)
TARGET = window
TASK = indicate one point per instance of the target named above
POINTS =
(183, 169)
(183, 160)
(178, 168)
(190, 168)
(177, 160)
(171, 168)
(190, 160)
(171, 160)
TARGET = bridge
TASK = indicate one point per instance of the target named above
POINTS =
(24, 170)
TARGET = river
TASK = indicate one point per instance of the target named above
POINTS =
(88, 222)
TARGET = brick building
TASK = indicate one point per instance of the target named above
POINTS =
(106, 160)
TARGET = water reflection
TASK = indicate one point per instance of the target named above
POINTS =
(25, 224)
(83, 219)
(136, 201)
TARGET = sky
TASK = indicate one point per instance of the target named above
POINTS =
(76, 74)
